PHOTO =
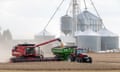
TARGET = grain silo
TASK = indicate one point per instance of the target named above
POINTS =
(87, 19)
(88, 39)
(66, 24)
(109, 40)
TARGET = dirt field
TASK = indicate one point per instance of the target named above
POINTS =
(101, 62)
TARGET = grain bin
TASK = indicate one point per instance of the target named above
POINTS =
(109, 40)
(89, 39)
(87, 19)
(66, 24)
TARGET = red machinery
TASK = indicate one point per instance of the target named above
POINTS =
(27, 52)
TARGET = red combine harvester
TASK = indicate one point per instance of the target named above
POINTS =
(27, 52)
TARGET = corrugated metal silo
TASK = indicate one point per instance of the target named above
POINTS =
(89, 40)
(88, 20)
(66, 24)
(109, 40)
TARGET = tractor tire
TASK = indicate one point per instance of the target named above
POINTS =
(89, 60)
(79, 60)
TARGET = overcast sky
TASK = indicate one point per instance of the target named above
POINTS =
(25, 18)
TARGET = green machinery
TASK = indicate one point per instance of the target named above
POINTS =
(71, 54)
(64, 52)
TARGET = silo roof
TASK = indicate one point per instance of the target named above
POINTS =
(88, 15)
(106, 32)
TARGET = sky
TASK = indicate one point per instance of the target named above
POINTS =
(26, 18)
